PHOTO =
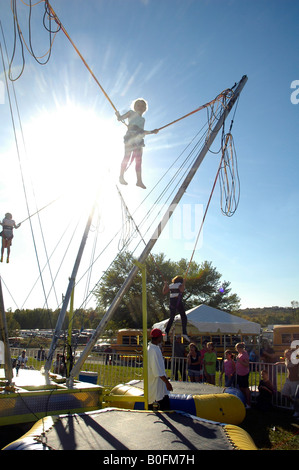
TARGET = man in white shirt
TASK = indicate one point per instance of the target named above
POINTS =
(158, 384)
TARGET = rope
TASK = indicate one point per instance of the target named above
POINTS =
(78, 52)
(230, 195)
(19, 157)
(229, 179)
(204, 217)
(88, 280)
(221, 95)
(22, 173)
(39, 210)
(52, 15)
(18, 31)
(130, 219)
(128, 223)
(146, 216)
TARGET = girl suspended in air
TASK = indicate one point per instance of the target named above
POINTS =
(7, 234)
(176, 289)
(133, 139)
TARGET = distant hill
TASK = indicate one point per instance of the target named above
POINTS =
(271, 315)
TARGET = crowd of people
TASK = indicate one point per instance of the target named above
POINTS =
(201, 365)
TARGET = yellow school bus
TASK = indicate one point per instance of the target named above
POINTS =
(224, 342)
(129, 341)
(283, 336)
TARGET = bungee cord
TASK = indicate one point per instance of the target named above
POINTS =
(55, 17)
(127, 241)
(52, 16)
(20, 162)
(39, 210)
(229, 179)
(18, 35)
(227, 171)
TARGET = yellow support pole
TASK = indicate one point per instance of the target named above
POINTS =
(4, 337)
(142, 267)
(69, 336)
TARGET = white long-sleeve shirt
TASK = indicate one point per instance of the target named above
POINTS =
(156, 369)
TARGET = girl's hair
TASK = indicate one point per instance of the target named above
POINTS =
(240, 345)
(192, 344)
(177, 279)
(228, 351)
(139, 99)
(210, 344)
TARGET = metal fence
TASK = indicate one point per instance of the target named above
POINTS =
(112, 369)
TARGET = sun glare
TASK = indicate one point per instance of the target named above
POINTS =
(74, 155)
(71, 150)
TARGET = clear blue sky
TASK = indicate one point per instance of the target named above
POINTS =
(177, 54)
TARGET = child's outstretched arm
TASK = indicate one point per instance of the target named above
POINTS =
(155, 131)
(121, 117)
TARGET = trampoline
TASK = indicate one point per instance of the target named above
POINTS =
(204, 401)
(123, 430)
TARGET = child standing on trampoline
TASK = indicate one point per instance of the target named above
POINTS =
(133, 139)
(7, 234)
(176, 289)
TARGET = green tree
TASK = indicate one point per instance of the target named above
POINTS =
(203, 285)
(12, 324)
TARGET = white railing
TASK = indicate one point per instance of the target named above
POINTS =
(113, 369)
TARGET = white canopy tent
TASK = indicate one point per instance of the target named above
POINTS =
(208, 320)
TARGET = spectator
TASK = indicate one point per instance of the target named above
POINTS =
(228, 369)
(22, 361)
(252, 359)
(179, 359)
(209, 363)
(59, 365)
(108, 352)
(194, 361)
(266, 391)
(269, 357)
(202, 355)
(242, 370)
(291, 386)
(41, 354)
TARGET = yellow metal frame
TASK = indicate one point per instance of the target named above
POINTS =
(69, 336)
(88, 397)
(127, 398)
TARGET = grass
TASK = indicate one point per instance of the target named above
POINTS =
(272, 430)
